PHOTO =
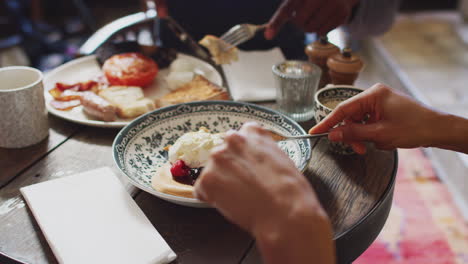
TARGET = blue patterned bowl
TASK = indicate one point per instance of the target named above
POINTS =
(138, 148)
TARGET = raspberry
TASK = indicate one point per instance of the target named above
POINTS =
(179, 169)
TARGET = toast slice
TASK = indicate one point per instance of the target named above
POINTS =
(221, 52)
(129, 100)
(136, 108)
(199, 89)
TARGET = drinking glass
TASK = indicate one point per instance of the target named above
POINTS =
(296, 84)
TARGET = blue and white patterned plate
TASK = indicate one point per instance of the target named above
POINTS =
(138, 148)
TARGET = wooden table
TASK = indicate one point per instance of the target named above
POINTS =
(356, 191)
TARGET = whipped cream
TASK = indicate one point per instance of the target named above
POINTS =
(194, 148)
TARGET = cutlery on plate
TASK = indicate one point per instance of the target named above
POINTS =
(186, 38)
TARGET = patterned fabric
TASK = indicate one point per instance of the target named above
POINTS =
(424, 226)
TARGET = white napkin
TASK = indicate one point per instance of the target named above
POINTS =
(90, 218)
(250, 78)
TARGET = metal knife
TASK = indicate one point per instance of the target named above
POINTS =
(185, 37)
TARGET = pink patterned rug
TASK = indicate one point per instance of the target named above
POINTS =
(424, 226)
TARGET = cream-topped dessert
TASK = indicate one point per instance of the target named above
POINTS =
(194, 148)
(187, 157)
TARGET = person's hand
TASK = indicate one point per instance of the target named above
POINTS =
(395, 121)
(311, 15)
(254, 184)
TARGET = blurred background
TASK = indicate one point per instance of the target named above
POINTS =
(46, 33)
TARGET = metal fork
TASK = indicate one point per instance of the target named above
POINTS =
(280, 137)
(240, 33)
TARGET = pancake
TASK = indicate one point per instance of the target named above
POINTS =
(162, 181)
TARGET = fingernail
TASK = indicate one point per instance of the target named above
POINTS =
(336, 135)
(359, 149)
(313, 130)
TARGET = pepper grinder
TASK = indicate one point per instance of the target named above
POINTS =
(318, 52)
(344, 67)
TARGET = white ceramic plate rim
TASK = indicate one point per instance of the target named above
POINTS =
(90, 122)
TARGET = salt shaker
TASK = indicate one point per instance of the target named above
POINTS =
(344, 67)
(318, 52)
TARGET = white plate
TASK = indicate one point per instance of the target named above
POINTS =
(86, 68)
(138, 148)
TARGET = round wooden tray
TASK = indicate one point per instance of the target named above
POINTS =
(356, 191)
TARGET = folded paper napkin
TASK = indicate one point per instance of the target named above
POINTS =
(250, 78)
(90, 218)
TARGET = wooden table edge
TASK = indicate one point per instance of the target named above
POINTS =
(364, 232)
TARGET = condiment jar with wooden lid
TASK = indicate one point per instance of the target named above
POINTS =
(344, 67)
(318, 52)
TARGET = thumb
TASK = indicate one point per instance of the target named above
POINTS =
(280, 17)
(355, 132)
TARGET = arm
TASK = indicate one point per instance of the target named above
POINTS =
(369, 17)
(451, 133)
(372, 17)
(305, 239)
(281, 212)
(311, 15)
(396, 121)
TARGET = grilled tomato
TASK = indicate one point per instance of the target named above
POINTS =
(130, 69)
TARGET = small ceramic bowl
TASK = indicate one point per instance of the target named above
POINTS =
(326, 100)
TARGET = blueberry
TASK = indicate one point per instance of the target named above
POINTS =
(195, 172)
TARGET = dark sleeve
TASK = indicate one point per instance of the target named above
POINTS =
(373, 17)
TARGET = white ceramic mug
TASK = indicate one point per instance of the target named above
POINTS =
(23, 115)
